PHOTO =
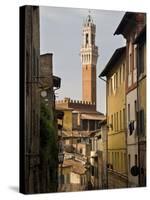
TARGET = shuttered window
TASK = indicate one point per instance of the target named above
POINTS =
(141, 59)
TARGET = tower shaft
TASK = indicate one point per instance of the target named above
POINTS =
(89, 55)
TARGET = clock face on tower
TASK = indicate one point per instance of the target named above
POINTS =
(43, 93)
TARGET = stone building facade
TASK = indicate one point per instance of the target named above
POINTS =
(29, 79)
(48, 82)
(48, 166)
(37, 85)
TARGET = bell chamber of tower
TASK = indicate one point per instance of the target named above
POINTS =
(89, 55)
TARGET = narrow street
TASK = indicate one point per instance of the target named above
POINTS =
(97, 141)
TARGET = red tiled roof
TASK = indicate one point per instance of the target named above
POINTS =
(77, 167)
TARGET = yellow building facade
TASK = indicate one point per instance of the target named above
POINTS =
(67, 118)
(115, 108)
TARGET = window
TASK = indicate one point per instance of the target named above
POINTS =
(67, 179)
(87, 40)
(141, 59)
(108, 120)
(135, 109)
(92, 125)
(81, 180)
(118, 160)
(116, 80)
(110, 87)
(92, 39)
(120, 75)
(125, 160)
(130, 63)
(80, 150)
(135, 57)
(124, 119)
(117, 121)
(112, 121)
(121, 161)
(85, 125)
(128, 113)
(79, 140)
(120, 120)
(113, 158)
(92, 170)
(62, 179)
(141, 122)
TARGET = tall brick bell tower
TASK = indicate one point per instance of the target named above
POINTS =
(89, 55)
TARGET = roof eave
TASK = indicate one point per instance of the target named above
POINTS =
(112, 61)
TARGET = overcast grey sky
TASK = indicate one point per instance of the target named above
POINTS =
(61, 34)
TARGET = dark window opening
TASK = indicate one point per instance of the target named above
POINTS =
(135, 159)
(141, 122)
(141, 59)
(92, 125)
(92, 39)
(85, 125)
(87, 39)
(92, 170)
(80, 150)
